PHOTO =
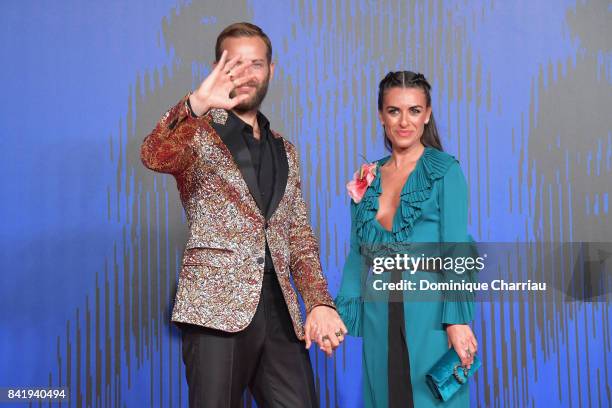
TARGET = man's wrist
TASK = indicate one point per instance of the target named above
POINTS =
(197, 106)
(321, 304)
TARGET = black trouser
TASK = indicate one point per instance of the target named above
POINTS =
(400, 383)
(266, 357)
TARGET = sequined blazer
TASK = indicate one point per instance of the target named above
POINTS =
(222, 269)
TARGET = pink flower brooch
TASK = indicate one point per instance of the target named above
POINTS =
(361, 181)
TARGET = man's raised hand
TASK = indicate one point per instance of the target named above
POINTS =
(214, 91)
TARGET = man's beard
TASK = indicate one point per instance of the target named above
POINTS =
(255, 101)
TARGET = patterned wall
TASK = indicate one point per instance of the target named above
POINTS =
(92, 240)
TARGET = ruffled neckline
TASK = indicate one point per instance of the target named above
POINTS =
(431, 166)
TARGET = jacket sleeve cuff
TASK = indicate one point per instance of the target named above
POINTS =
(326, 302)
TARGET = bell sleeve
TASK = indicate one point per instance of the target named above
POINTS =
(458, 307)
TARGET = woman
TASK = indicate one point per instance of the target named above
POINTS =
(418, 194)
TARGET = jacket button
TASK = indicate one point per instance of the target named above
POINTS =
(260, 261)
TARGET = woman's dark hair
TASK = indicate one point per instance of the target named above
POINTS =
(409, 79)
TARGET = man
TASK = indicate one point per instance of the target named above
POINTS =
(239, 183)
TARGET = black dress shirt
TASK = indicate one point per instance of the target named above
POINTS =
(261, 156)
(263, 163)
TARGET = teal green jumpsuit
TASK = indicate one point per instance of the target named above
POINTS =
(433, 208)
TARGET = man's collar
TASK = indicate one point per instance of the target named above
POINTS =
(229, 121)
(263, 122)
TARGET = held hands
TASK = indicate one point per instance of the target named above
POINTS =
(462, 339)
(324, 326)
(214, 91)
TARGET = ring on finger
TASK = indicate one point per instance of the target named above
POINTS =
(339, 333)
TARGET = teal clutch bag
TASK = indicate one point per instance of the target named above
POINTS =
(447, 375)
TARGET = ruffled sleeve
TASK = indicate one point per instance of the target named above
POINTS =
(458, 307)
(349, 302)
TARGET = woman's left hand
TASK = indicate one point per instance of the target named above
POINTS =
(461, 337)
